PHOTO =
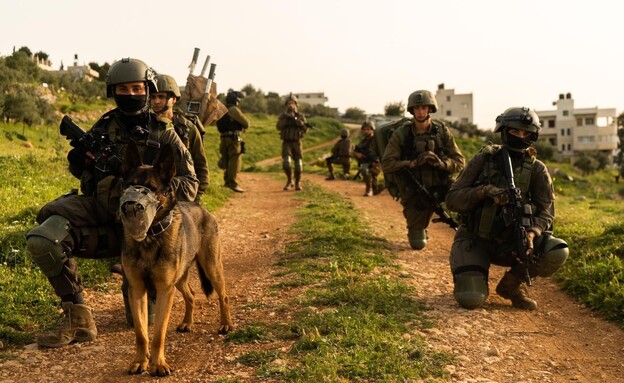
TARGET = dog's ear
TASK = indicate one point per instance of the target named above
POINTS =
(165, 165)
(132, 161)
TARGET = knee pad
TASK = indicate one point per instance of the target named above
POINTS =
(471, 288)
(555, 253)
(299, 166)
(44, 244)
(286, 163)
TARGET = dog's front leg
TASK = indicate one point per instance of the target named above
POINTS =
(137, 297)
(164, 302)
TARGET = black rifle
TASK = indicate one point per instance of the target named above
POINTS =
(433, 201)
(519, 215)
(102, 148)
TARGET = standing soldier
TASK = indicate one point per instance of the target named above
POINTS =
(232, 147)
(86, 225)
(292, 126)
(188, 126)
(341, 155)
(367, 156)
(425, 150)
(481, 195)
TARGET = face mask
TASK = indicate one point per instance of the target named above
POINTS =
(131, 104)
(517, 143)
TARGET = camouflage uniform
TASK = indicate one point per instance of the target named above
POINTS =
(191, 131)
(407, 145)
(341, 155)
(231, 126)
(367, 156)
(485, 236)
(292, 127)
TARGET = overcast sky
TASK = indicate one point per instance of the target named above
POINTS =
(360, 53)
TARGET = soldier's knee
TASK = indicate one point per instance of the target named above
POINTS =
(44, 244)
(555, 254)
(286, 163)
(471, 288)
(299, 165)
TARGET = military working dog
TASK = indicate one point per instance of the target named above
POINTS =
(162, 240)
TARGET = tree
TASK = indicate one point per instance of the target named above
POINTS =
(586, 164)
(354, 113)
(21, 106)
(101, 69)
(394, 109)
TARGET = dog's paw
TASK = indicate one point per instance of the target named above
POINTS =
(184, 327)
(226, 328)
(160, 369)
(138, 367)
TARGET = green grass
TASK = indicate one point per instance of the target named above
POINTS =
(362, 317)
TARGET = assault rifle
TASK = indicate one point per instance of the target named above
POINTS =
(102, 148)
(433, 201)
(519, 215)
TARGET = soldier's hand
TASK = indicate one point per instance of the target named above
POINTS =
(530, 235)
(498, 195)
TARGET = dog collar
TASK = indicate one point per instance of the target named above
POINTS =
(160, 226)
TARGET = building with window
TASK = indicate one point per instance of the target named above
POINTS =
(572, 131)
(454, 107)
(311, 98)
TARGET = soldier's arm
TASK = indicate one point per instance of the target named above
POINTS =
(453, 159)
(185, 183)
(238, 115)
(543, 197)
(282, 121)
(391, 161)
(463, 196)
(196, 147)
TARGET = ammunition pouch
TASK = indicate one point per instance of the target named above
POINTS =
(108, 193)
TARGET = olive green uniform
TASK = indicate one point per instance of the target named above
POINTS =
(370, 165)
(406, 145)
(341, 155)
(292, 128)
(231, 127)
(191, 132)
(85, 225)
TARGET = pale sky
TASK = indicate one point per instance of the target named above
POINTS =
(360, 53)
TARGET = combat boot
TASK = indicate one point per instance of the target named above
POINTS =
(298, 183)
(378, 188)
(77, 325)
(369, 190)
(417, 238)
(289, 183)
(331, 176)
(512, 288)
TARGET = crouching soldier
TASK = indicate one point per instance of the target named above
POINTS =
(367, 156)
(341, 155)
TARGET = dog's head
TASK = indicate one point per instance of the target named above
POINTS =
(147, 195)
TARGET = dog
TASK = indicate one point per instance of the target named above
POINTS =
(162, 240)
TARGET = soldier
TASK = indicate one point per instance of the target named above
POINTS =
(85, 225)
(188, 126)
(292, 126)
(367, 156)
(426, 149)
(481, 196)
(232, 147)
(341, 154)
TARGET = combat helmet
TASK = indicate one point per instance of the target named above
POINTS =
(344, 133)
(291, 97)
(130, 70)
(233, 97)
(166, 83)
(520, 118)
(420, 98)
(368, 124)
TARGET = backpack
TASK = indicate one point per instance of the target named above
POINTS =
(402, 127)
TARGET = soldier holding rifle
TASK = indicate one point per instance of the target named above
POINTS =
(292, 126)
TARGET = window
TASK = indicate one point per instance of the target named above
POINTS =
(579, 122)
(464, 120)
(448, 98)
(448, 112)
(562, 147)
(569, 147)
(586, 139)
(589, 121)
(566, 112)
(569, 132)
(563, 132)
(551, 123)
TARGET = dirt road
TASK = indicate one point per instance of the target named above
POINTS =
(560, 342)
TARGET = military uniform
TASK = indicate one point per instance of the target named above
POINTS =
(341, 155)
(369, 165)
(191, 131)
(407, 145)
(486, 235)
(231, 126)
(292, 127)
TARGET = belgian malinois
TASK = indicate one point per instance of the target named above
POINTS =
(162, 240)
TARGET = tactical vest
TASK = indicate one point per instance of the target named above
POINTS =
(292, 131)
(487, 221)
(364, 147)
(227, 124)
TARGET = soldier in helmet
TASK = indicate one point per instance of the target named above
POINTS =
(188, 126)
(425, 150)
(85, 225)
(341, 155)
(231, 127)
(367, 156)
(481, 196)
(292, 126)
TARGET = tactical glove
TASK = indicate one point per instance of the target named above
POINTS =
(498, 195)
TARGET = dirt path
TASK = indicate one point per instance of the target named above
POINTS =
(560, 342)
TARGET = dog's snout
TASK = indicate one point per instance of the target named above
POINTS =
(132, 208)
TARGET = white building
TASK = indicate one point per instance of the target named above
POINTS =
(311, 98)
(572, 131)
(454, 107)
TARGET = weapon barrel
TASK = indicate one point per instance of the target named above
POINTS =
(206, 62)
(70, 129)
(211, 76)
(194, 60)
